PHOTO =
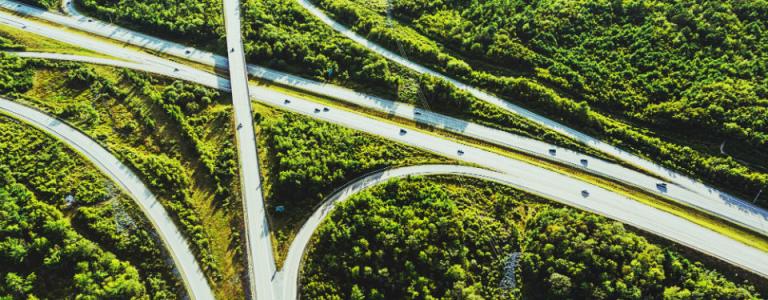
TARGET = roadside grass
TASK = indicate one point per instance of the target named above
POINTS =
(37, 43)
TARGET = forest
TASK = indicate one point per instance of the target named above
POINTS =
(43, 254)
(449, 237)
(671, 81)
(304, 160)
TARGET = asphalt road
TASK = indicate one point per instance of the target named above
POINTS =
(190, 272)
(562, 190)
(349, 119)
(531, 178)
(258, 240)
(709, 199)
(535, 147)
(617, 152)
(747, 216)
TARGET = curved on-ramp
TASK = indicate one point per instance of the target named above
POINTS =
(599, 201)
(194, 280)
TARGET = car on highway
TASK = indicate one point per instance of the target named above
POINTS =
(584, 193)
(403, 131)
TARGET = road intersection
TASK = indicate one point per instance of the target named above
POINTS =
(703, 197)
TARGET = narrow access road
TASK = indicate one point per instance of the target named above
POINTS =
(599, 201)
(177, 245)
(261, 264)
(711, 196)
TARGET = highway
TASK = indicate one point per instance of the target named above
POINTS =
(402, 110)
(261, 264)
(747, 216)
(614, 151)
(708, 200)
(192, 276)
(536, 178)
(599, 201)
(345, 118)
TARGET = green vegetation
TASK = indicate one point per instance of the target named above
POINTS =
(15, 39)
(42, 254)
(565, 250)
(648, 76)
(303, 160)
(448, 237)
(176, 136)
(620, 72)
(47, 4)
(280, 34)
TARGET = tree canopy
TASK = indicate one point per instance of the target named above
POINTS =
(448, 238)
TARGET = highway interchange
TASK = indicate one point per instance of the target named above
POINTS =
(707, 199)
(557, 186)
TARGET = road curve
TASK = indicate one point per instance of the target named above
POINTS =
(599, 201)
(261, 264)
(191, 274)
(746, 215)
(402, 110)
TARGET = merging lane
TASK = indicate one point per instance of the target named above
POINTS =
(709, 200)
(261, 263)
(177, 245)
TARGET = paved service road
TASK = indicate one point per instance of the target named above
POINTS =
(191, 274)
(532, 178)
(258, 240)
(599, 201)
